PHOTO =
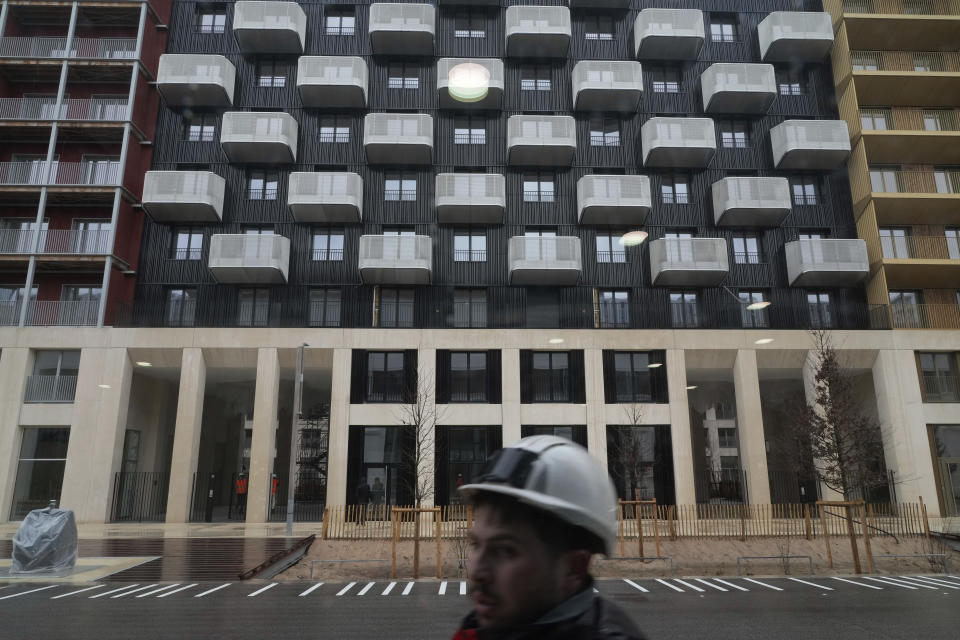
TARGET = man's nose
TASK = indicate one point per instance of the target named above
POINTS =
(478, 567)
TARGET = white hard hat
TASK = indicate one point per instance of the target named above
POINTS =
(558, 476)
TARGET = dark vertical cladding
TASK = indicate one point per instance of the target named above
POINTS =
(649, 306)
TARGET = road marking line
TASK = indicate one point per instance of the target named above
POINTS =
(346, 588)
(443, 588)
(896, 584)
(812, 584)
(687, 584)
(710, 584)
(730, 584)
(665, 583)
(261, 590)
(363, 591)
(106, 593)
(310, 590)
(64, 595)
(908, 582)
(200, 595)
(463, 588)
(120, 595)
(150, 593)
(635, 585)
(389, 588)
(859, 584)
(170, 593)
(763, 584)
(929, 580)
(949, 579)
(23, 593)
(406, 590)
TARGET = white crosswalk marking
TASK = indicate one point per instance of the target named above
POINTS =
(812, 584)
(667, 584)
(463, 588)
(687, 584)
(261, 590)
(120, 595)
(859, 584)
(710, 584)
(896, 584)
(635, 585)
(346, 588)
(106, 593)
(310, 590)
(363, 591)
(730, 584)
(170, 593)
(208, 591)
(900, 580)
(406, 590)
(937, 581)
(150, 593)
(66, 595)
(949, 579)
(389, 588)
(23, 593)
(443, 588)
(763, 584)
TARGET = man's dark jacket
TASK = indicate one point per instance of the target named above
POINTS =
(585, 616)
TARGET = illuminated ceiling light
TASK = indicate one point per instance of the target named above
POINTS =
(556, 340)
(468, 82)
(759, 306)
(764, 341)
(104, 386)
(691, 387)
(633, 238)
(654, 365)
(144, 364)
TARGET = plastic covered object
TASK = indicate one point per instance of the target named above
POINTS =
(46, 542)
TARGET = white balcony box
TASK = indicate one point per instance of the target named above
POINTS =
(541, 141)
(688, 262)
(751, 201)
(195, 80)
(678, 142)
(826, 262)
(470, 83)
(537, 32)
(398, 138)
(613, 199)
(249, 259)
(326, 196)
(402, 28)
(795, 36)
(470, 198)
(269, 27)
(668, 34)
(183, 196)
(810, 144)
(738, 87)
(259, 136)
(396, 259)
(332, 81)
(607, 85)
(551, 261)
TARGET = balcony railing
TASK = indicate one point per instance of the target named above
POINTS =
(96, 109)
(903, 7)
(826, 262)
(269, 27)
(254, 259)
(541, 140)
(402, 28)
(909, 119)
(678, 142)
(607, 85)
(920, 248)
(43, 47)
(942, 388)
(63, 313)
(196, 80)
(396, 259)
(751, 201)
(915, 316)
(909, 61)
(326, 196)
(738, 87)
(795, 36)
(261, 137)
(674, 34)
(551, 261)
(538, 32)
(398, 138)
(56, 241)
(332, 81)
(688, 261)
(613, 199)
(184, 195)
(810, 144)
(896, 181)
(478, 198)
(59, 389)
(101, 174)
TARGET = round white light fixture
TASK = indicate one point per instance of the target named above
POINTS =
(468, 82)
(556, 340)
(144, 364)
(633, 238)
(104, 386)
(691, 387)
(654, 365)
(764, 341)
(759, 306)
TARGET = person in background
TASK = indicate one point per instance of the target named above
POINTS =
(363, 499)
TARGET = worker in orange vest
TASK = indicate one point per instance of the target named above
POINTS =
(241, 488)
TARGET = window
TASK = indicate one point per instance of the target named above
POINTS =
(635, 376)
(940, 120)
(335, 129)
(469, 24)
(262, 185)
(470, 246)
(876, 119)
(906, 309)
(400, 186)
(200, 127)
(791, 82)
(925, 62)
(470, 308)
(675, 188)
(327, 245)
(746, 248)
(535, 77)
(613, 308)
(939, 377)
(805, 190)
(324, 308)
(271, 73)
(396, 308)
(403, 75)
(820, 310)
(468, 376)
(253, 307)
(187, 244)
(609, 248)
(398, 231)
(90, 235)
(469, 130)
(210, 18)
(11, 297)
(550, 376)
(54, 377)
(664, 79)
(894, 242)
(953, 242)
(884, 179)
(340, 21)
(79, 305)
(538, 186)
(751, 319)
(43, 458)
(604, 132)
(181, 307)
(385, 376)
(723, 28)
(683, 309)
(734, 134)
(727, 438)
(598, 27)
(947, 179)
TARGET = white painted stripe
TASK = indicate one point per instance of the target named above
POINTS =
(595, 590)
(106, 593)
(389, 588)
(730, 584)
(687, 584)
(812, 584)
(763, 584)
(150, 593)
(935, 581)
(223, 586)
(261, 590)
(310, 590)
(120, 595)
(363, 591)
(949, 579)
(900, 580)
(64, 595)
(635, 585)
(443, 588)
(710, 584)
(891, 582)
(667, 584)
(170, 593)
(23, 593)
(346, 588)
(406, 590)
(859, 584)
(463, 588)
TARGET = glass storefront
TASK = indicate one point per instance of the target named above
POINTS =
(381, 457)
(43, 456)
(946, 445)
(640, 461)
(461, 454)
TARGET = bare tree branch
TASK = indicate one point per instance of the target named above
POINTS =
(419, 417)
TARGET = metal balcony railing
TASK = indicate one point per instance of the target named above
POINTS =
(918, 61)
(909, 119)
(63, 313)
(54, 389)
(44, 47)
(105, 173)
(915, 316)
(942, 388)
(896, 181)
(468, 315)
(97, 109)
(902, 7)
(920, 248)
(56, 241)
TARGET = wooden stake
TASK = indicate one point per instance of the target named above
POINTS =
(806, 521)
(393, 557)
(326, 523)
(866, 537)
(826, 535)
(636, 512)
(853, 541)
(436, 515)
(926, 520)
(656, 527)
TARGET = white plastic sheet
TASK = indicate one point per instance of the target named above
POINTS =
(46, 542)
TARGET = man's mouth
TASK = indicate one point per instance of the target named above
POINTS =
(483, 603)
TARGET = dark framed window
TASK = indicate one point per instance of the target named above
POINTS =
(181, 307)
(468, 376)
(895, 242)
(634, 376)
(539, 186)
(609, 248)
(747, 248)
(820, 309)
(200, 127)
(340, 21)
(876, 118)
(938, 377)
(753, 319)
(805, 190)
(598, 27)
(906, 309)
(469, 24)
(461, 454)
(684, 312)
(403, 75)
(470, 246)
(470, 308)
(335, 129)
(385, 376)
(400, 186)
(664, 79)
(40, 469)
(253, 307)
(469, 130)
(791, 82)
(380, 457)
(535, 77)
(262, 185)
(396, 308)
(613, 308)
(271, 73)
(550, 376)
(640, 461)
(574, 432)
(325, 307)
(734, 134)
(187, 244)
(675, 188)
(724, 27)
(327, 245)
(210, 17)
(54, 377)
(604, 132)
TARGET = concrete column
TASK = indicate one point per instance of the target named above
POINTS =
(96, 435)
(427, 390)
(680, 440)
(596, 414)
(14, 368)
(510, 378)
(186, 437)
(810, 393)
(265, 406)
(339, 428)
(753, 448)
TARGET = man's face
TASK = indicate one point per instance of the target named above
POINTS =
(514, 577)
